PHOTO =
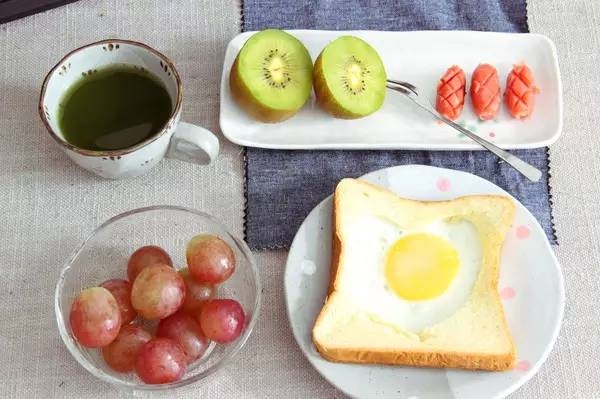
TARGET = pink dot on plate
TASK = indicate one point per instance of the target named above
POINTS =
(523, 365)
(507, 293)
(443, 184)
(492, 134)
(522, 232)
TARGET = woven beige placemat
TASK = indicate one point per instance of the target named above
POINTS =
(573, 368)
(49, 205)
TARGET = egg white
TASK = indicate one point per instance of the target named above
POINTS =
(367, 248)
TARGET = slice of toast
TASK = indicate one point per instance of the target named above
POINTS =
(476, 336)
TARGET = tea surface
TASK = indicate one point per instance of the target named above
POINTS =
(114, 108)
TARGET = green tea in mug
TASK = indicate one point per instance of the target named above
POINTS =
(114, 108)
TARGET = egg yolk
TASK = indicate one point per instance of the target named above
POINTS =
(420, 266)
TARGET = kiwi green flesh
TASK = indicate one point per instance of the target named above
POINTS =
(276, 69)
(354, 75)
(241, 94)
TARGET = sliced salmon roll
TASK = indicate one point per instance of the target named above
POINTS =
(451, 89)
(520, 91)
(485, 91)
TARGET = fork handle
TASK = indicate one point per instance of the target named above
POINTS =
(527, 170)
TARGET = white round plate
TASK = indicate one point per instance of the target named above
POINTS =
(531, 285)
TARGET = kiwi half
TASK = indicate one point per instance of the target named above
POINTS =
(349, 78)
(271, 77)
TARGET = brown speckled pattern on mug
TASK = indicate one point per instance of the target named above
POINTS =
(89, 72)
(111, 47)
(165, 68)
(64, 69)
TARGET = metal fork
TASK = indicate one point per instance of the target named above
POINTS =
(412, 93)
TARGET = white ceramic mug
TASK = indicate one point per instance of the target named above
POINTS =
(176, 139)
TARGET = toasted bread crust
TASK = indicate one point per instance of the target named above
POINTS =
(336, 247)
(391, 356)
(420, 359)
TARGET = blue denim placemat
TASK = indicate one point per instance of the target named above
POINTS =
(283, 186)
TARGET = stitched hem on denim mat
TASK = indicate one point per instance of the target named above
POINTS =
(550, 199)
(246, 212)
(245, 160)
(244, 149)
(554, 240)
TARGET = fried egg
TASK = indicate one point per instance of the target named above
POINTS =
(411, 279)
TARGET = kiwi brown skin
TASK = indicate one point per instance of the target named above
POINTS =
(324, 97)
(242, 95)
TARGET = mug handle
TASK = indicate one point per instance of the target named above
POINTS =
(194, 144)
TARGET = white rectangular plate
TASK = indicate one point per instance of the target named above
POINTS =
(419, 57)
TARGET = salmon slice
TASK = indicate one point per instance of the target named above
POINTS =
(520, 91)
(451, 89)
(485, 91)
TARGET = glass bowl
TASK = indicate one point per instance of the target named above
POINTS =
(104, 254)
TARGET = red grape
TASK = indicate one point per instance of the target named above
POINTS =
(120, 355)
(196, 293)
(95, 317)
(158, 291)
(222, 320)
(184, 329)
(121, 290)
(160, 361)
(210, 259)
(144, 257)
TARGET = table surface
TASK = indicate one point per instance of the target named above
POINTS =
(49, 205)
